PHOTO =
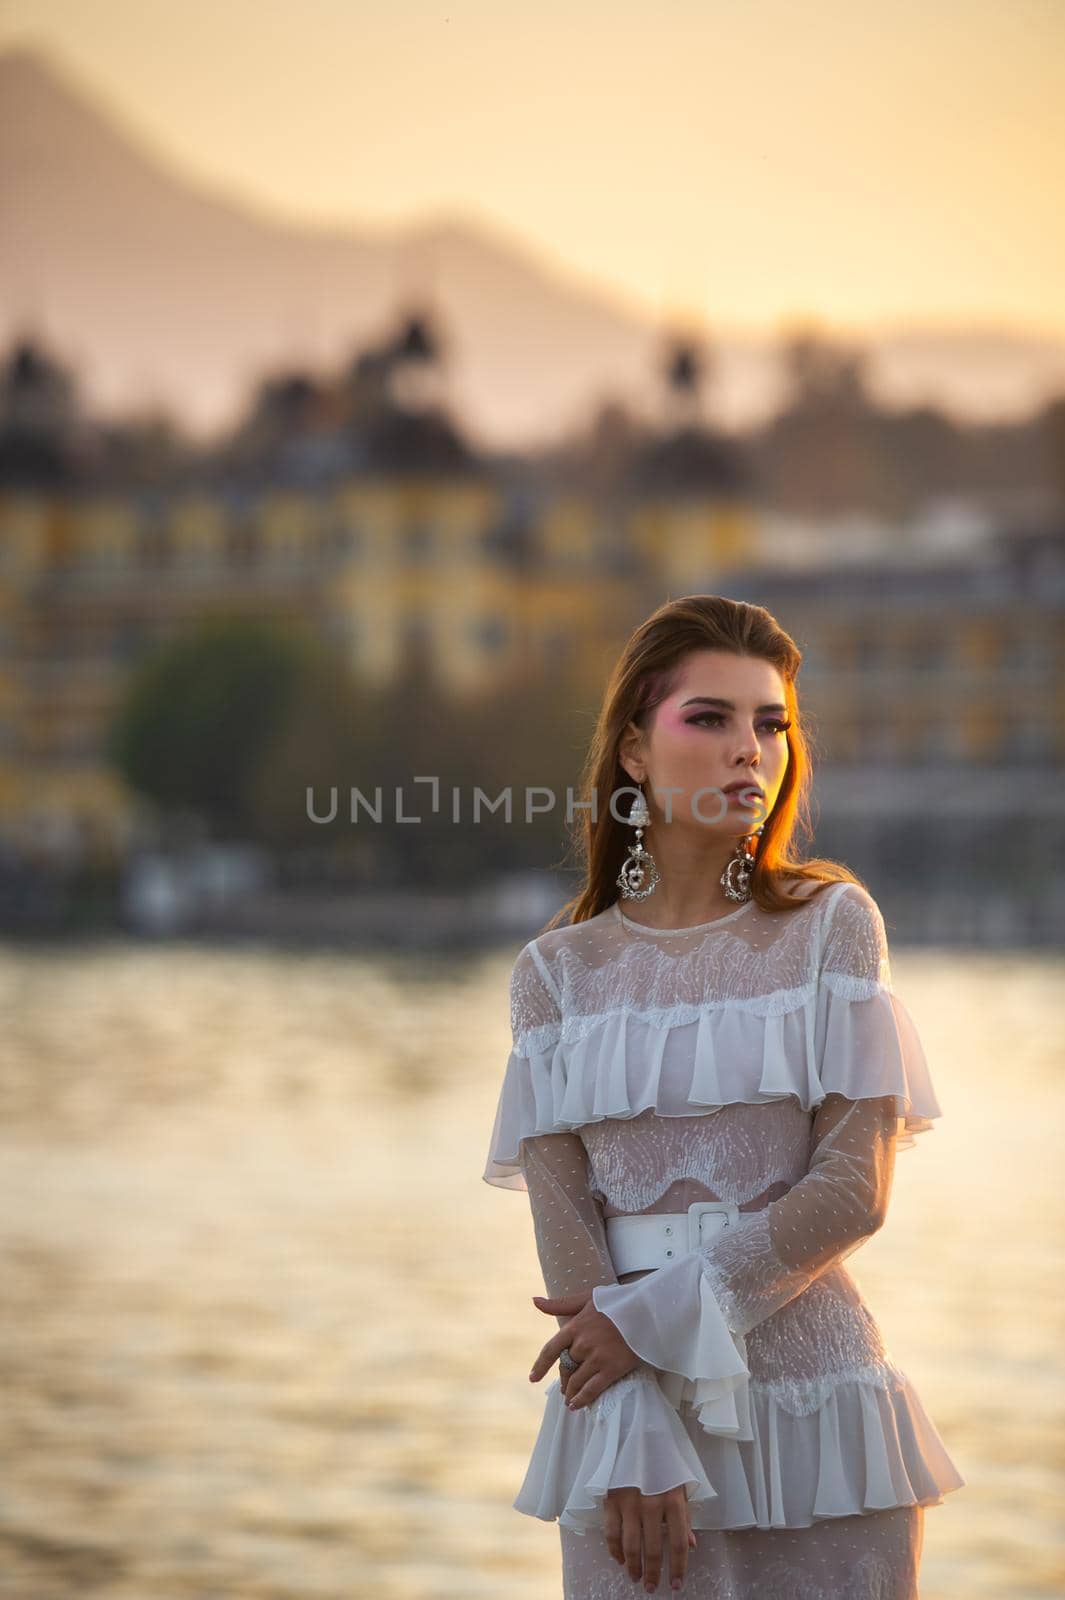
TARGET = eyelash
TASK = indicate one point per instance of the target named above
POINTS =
(774, 723)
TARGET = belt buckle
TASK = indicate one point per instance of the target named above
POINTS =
(700, 1208)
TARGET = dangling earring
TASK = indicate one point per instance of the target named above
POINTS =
(639, 863)
(736, 878)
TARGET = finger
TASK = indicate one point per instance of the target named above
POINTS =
(586, 1388)
(677, 1526)
(632, 1537)
(568, 1378)
(549, 1355)
(560, 1305)
(651, 1517)
(612, 1528)
(589, 1382)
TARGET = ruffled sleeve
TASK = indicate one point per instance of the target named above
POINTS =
(630, 1435)
(525, 1103)
(865, 1039)
(872, 1072)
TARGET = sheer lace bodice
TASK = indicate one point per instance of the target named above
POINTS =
(654, 1163)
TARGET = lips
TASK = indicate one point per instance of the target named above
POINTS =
(736, 788)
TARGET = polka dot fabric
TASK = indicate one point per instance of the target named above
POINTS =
(762, 1059)
(875, 1557)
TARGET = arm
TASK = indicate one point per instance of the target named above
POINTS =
(748, 1272)
(630, 1435)
(567, 1218)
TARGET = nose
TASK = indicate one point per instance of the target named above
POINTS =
(748, 749)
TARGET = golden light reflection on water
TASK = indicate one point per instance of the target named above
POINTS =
(266, 1331)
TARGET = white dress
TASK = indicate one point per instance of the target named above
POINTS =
(761, 1059)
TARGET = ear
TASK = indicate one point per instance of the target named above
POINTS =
(630, 753)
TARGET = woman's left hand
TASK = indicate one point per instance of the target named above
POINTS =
(592, 1339)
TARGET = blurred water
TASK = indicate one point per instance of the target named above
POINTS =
(266, 1331)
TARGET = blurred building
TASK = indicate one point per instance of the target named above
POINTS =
(370, 518)
(935, 684)
(935, 696)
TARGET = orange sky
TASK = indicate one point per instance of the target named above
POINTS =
(858, 161)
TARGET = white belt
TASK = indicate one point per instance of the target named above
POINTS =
(654, 1239)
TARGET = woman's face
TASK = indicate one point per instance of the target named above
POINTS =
(691, 746)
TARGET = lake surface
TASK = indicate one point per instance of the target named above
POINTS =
(266, 1332)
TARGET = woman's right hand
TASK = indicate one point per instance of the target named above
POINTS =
(634, 1524)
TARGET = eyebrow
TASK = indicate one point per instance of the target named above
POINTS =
(726, 705)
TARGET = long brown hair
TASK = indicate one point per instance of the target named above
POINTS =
(645, 674)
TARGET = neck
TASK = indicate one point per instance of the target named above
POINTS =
(689, 890)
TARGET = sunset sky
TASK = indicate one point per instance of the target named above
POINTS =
(748, 161)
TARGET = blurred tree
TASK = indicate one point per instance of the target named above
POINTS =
(201, 714)
(328, 740)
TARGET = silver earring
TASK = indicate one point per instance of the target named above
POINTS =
(639, 863)
(736, 878)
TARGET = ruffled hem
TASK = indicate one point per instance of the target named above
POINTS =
(840, 1035)
(869, 1446)
(635, 1439)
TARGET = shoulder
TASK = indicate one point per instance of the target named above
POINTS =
(530, 969)
(585, 936)
(543, 961)
(829, 892)
(534, 1000)
(852, 900)
(853, 935)
(814, 900)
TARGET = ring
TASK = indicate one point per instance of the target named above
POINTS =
(566, 1361)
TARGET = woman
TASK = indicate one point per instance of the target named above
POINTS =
(709, 1081)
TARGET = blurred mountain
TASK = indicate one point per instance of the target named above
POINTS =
(165, 293)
